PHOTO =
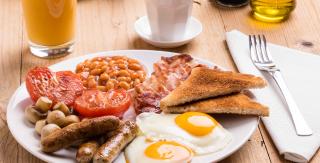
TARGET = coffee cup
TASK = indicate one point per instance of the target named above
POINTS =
(168, 19)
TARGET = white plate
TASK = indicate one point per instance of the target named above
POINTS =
(23, 131)
(142, 28)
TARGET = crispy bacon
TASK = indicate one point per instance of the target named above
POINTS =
(168, 73)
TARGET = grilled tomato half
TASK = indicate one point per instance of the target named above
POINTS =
(94, 103)
(61, 86)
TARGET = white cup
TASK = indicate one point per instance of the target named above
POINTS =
(168, 19)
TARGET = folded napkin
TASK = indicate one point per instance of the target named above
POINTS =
(301, 73)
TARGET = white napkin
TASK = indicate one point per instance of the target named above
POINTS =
(301, 71)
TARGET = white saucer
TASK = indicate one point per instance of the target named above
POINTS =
(143, 30)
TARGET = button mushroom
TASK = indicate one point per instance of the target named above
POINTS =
(71, 119)
(62, 107)
(56, 117)
(33, 115)
(48, 129)
(39, 125)
(43, 104)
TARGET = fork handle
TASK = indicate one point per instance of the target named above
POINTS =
(301, 126)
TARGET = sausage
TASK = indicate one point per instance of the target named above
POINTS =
(114, 144)
(86, 129)
(88, 148)
(86, 151)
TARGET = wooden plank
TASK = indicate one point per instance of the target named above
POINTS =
(10, 57)
(316, 157)
(253, 151)
(10, 49)
(241, 20)
(301, 32)
(10, 61)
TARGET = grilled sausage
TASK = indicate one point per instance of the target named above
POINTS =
(86, 129)
(86, 151)
(119, 139)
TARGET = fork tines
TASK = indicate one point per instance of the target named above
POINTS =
(258, 49)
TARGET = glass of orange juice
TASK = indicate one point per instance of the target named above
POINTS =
(50, 26)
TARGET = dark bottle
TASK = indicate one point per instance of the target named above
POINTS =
(232, 3)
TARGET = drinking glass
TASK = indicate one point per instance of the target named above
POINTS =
(50, 26)
(272, 10)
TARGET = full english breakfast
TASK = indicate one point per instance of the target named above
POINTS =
(170, 108)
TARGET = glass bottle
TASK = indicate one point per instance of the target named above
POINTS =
(272, 10)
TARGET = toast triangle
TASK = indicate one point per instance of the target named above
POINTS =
(205, 83)
(237, 103)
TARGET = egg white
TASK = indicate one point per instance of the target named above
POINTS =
(163, 127)
(134, 152)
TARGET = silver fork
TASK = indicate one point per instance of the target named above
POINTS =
(263, 61)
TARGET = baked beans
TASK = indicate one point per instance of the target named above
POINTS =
(114, 72)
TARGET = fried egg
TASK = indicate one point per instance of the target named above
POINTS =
(144, 150)
(198, 131)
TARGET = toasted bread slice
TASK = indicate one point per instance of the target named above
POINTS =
(205, 83)
(237, 103)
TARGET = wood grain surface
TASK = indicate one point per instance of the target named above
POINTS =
(108, 25)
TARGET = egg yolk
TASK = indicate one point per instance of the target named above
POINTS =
(168, 150)
(196, 123)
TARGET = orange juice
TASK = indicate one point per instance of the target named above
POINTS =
(50, 22)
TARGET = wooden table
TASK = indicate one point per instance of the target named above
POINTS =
(108, 25)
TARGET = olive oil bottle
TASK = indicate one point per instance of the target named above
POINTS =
(272, 10)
